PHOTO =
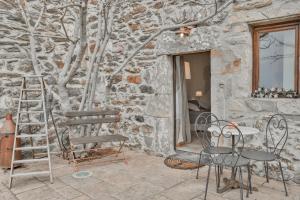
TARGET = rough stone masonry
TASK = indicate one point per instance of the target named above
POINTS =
(144, 89)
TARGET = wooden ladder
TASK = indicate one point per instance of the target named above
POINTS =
(28, 95)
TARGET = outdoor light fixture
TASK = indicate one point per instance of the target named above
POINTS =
(187, 70)
(184, 31)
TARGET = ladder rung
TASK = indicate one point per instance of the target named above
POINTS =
(30, 160)
(30, 148)
(31, 89)
(33, 76)
(33, 111)
(31, 100)
(31, 135)
(31, 123)
(30, 173)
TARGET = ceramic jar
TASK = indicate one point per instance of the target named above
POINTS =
(7, 133)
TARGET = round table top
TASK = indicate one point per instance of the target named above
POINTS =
(244, 129)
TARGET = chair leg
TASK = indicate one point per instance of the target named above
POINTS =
(251, 188)
(267, 171)
(235, 171)
(241, 183)
(217, 173)
(284, 184)
(207, 180)
(74, 160)
(249, 180)
(197, 176)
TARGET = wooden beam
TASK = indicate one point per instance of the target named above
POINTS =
(89, 121)
(98, 139)
(90, 113)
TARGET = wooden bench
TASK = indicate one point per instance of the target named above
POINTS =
(82, 124)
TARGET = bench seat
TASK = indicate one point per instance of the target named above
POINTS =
(78, 121)
(98, 139)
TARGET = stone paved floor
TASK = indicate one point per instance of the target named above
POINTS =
(144, 177)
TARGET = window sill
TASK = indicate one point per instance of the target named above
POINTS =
(276, 99)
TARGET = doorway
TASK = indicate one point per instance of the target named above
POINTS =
(192, 96)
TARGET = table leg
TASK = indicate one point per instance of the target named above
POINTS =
(232, 183)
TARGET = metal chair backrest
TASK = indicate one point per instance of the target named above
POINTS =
(202, 123)
(276, 134)
(231, 135)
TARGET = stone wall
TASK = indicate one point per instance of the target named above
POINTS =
(15, 56)
(236, 74)
(144, 89)
(230, 43)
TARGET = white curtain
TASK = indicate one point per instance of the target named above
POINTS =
(183, 130)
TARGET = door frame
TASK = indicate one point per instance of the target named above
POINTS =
(174, 89)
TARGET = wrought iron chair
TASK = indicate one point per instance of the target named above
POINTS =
(275, 140)
(228, 132)
(202, 123)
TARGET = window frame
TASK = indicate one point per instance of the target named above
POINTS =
(294, 25)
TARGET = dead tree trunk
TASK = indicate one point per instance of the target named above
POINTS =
(22, 4)
(106, 16)
(80, 34)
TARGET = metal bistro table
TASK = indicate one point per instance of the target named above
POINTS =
(231, 183)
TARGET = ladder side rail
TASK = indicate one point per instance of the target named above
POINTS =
(16, 133)
(46, 127)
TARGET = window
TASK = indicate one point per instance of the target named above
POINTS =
(276, 56)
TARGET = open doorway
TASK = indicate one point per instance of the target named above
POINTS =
(192, 90)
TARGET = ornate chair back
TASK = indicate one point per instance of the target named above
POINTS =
(231, 135)
(202, 123)
(276, 134)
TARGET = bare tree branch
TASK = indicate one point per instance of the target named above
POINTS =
(107, 33)
(22, 8)
(71, 50)
(172, 27)
(32, 41)
(83, 42)
(61, 19)
(216, 6)
(40, 17)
